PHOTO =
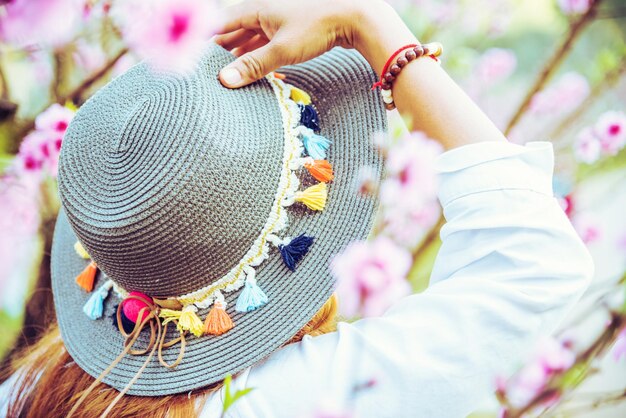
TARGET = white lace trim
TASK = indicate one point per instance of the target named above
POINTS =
(277, 219)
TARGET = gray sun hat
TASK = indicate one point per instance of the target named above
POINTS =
(169, 182)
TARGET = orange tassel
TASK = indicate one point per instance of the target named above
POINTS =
(87, 278)
(217, 321)
(279, 76)
(320, 169)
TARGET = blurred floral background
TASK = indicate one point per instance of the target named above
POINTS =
(542, 69)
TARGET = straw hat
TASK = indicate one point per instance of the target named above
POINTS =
(207, 216)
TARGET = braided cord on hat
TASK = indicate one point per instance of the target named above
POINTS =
(277, 220)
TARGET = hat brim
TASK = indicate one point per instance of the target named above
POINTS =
(350, 115)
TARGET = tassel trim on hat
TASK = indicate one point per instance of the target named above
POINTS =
(87, 277)
(218, 321)
(321, 170)
(187, 319)
(251, 297)
(94, 307)
(314, 144)
(308, 117)
(300, 121)
(293, 251)
(313, 197)
(80, 250)
(299, 96)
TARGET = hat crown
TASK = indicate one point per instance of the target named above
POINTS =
(168, 179)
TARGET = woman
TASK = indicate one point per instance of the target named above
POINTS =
(509, 269)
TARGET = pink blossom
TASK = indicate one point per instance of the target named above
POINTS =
(171, 34)
(39, 150)
(47, 22)
(19, 223)
(408, 194)
(89, 57)
(553, 355)
(587, 228)
(56, 119)
(567, 204)
(371, 275)
(619, 349)
(328, 408)
(495, 65)
(410, 166)
(611, 131)
(527, 384)
(549, 357)
(587, 146)
(565, 94)
(570, 7)
(409, 227)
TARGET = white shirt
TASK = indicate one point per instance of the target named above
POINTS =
(510, 268)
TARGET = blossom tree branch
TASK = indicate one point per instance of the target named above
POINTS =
(607, 81)
(76, 94)
(552, 64)
(565, 381)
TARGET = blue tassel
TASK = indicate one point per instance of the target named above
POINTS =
(95, 305)
(251, 297)
(293, 252)
(309, 118)
(316, 145)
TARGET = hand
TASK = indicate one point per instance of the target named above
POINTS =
(268, 34)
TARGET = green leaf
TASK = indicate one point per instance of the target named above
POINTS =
(241, 393)
(230, 398)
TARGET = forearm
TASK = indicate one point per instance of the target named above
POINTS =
(423, 92)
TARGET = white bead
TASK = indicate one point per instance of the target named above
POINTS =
(386, 93)
(388, 100)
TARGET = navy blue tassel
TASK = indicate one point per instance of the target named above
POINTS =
(309, 118)
(293, 252)
(127, 324)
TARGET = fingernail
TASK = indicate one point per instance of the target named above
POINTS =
(231, 76)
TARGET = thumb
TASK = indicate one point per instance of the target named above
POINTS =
(253, 65)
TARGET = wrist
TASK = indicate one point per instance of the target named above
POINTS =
(378, 31)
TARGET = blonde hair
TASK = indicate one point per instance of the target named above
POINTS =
(50, 382)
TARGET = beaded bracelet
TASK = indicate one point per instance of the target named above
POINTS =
(391, 71)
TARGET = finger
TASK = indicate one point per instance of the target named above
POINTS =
(256, 42)
(234, 39)
(254, 65)
(240, 16)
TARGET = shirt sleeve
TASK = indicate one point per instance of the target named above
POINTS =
(509, 269)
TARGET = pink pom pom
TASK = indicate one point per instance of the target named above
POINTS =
(131, 306)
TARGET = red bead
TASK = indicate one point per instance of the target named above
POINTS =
(419, 51)
(390, 106)
(395, 69)
(427, 50)
(402, 61)
(410, 55)
(386, 86)
(131, 306)
(389, 77)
